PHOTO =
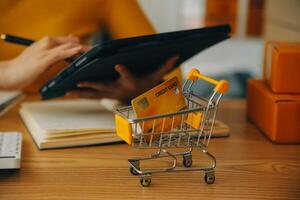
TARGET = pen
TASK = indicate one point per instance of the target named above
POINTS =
(16, 40)
(25, 42)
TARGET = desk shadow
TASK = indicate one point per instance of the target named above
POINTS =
(7, 173)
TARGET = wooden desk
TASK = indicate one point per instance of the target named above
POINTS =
(249, 166)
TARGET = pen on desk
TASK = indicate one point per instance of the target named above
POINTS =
(16, 40)
(25, 42)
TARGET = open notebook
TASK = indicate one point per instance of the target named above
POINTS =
(68, 123)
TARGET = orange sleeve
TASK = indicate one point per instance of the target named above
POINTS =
(126, 19)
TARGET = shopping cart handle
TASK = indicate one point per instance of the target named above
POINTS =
(222, 86)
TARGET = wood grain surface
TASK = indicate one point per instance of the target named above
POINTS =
(249, 166)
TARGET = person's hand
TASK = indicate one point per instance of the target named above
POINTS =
(36, 59)
(126, 87)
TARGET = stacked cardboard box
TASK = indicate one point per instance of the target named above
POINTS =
(273, 103)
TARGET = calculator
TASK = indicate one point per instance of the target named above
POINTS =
(10, 150)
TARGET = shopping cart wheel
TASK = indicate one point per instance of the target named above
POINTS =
(145, 181)
(187, 160)
(133, 171)
(209, 178)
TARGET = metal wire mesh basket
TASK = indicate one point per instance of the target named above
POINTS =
(193, 128)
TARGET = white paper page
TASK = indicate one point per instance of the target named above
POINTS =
(8, 99)
(70, 115)
(6, 96)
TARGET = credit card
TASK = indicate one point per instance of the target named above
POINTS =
(162, 99)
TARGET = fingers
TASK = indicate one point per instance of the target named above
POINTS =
(66, 39)
(71, 39)
(62, 52)
(125, 74)
(166, 67)
(85, 48)
(51, 42)
(45, 43)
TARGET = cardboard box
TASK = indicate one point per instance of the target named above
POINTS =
(278, 116)
(282, 67)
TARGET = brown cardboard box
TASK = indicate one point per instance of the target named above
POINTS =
(278, 116)
(282, 66)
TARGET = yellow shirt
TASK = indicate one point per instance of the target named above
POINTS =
(37, 18)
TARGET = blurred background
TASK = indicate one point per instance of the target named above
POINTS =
(252, 22)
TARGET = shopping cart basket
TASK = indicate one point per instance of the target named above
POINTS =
(194, 130)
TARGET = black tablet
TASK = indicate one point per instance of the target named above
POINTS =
(141, 55)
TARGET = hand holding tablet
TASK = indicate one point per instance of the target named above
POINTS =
(126, 87)
(141, 55)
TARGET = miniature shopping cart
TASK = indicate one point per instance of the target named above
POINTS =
(194, 130)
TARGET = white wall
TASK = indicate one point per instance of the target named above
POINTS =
(171, 15)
